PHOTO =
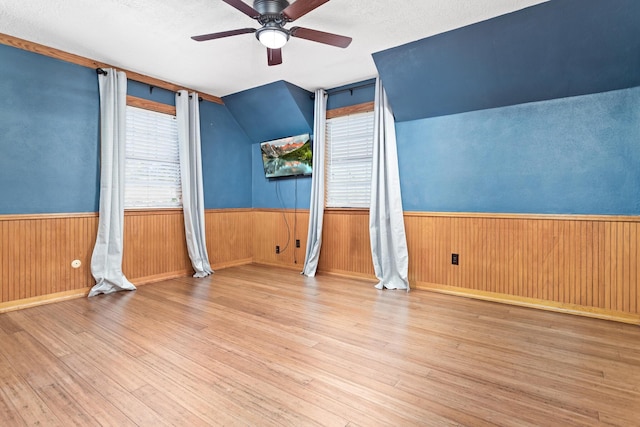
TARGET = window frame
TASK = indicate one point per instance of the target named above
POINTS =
(367, 107)
(157, 107)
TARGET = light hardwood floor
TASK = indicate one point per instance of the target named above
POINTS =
(265, 346)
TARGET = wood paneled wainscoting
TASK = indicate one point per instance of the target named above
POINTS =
(586, 265)
(280, 227)
(230, 236)
(36, 251)
(346, 247)
(154, 246)
(345, 240)
(155, 242)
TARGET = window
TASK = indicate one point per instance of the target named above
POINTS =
(349, 156)
(152, 167)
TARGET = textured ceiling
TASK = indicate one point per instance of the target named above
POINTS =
(152, 37)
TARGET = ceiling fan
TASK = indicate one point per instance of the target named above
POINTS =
(273, 15)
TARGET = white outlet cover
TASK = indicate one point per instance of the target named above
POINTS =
(76, 263)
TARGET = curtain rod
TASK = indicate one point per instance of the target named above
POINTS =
(350, 89)
(101, 71)
(191, 96)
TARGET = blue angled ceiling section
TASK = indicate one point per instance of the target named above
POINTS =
(552, 50)
(272, 111)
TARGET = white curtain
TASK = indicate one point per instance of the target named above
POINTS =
(188, 118)
(316, 208)
(386, 221)
(106, 260)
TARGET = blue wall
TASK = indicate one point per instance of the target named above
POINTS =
(49, 139)
(49, 150)
(272, 111)
(578, 155)
(296, 192)
(226, 150)
(573, 155)
(152, 93)
(226, 159)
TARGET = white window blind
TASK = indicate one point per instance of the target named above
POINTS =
(349, 156)
(152, 168)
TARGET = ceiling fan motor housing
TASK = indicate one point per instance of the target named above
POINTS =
(273, 15)
(270, 7)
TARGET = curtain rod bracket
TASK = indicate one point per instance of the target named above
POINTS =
(101, 71)
(350, 90)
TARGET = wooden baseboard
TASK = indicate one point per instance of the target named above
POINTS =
(349, 274)
(297, 267)
(83, 292)
(43, 299)
(234, 263)
(141, 281)
(579, 310)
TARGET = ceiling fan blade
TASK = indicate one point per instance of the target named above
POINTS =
(222, 34)
(274, 56)
(301, 7)
(320, 36)
(244, 8)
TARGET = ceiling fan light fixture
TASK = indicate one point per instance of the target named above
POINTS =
(272, 37)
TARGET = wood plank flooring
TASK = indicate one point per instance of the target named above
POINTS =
(263, 346)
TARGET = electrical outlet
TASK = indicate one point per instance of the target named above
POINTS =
(454, 259)
(297, 243)
(277, 249)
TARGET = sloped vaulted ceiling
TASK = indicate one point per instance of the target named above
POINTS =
(552, 50)
(272, 111)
